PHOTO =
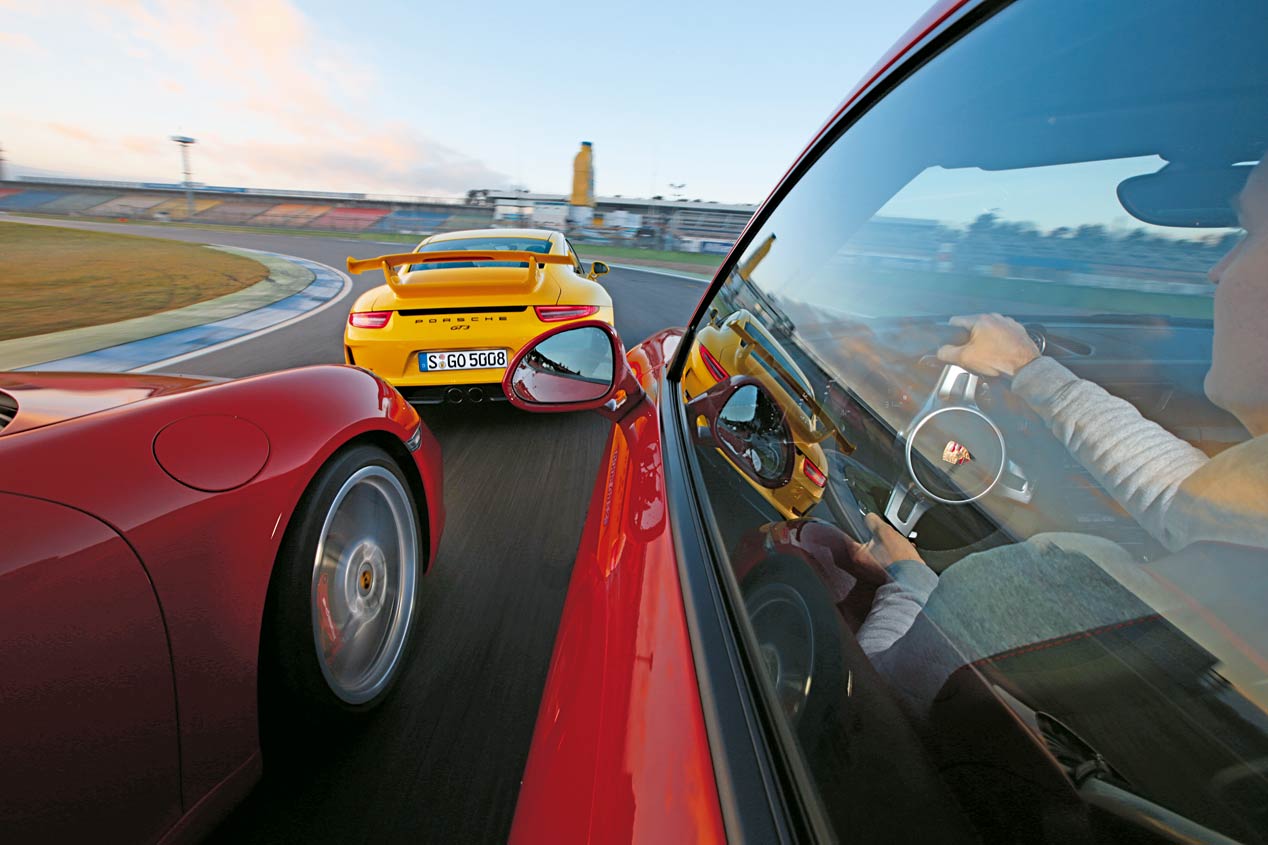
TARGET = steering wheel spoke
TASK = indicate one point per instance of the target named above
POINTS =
(905, 507)
(956, 386)
(1015, 484)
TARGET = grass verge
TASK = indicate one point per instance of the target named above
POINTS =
(629, 253)
(53, 279)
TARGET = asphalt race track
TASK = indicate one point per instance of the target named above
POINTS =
(442, 760)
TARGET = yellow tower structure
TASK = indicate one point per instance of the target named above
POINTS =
(583, 177)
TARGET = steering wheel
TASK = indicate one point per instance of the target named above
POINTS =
(953, 453)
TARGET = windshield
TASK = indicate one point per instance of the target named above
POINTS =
(536, 245)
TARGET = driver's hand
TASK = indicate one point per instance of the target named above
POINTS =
(997, 345)
(867, 561)
(887, 545)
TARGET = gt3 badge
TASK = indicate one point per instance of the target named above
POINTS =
(955, 454)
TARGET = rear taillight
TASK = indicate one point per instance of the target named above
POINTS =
(555, 313)
(711, 364)
(369, 319)
(814, 473)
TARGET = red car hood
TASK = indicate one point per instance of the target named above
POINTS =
(45, 398)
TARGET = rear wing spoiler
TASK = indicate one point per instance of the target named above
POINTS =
(386, 263)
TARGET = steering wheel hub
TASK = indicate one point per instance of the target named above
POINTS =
(955, 455)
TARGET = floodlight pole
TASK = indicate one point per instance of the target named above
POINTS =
(185, 143)
(676, 193)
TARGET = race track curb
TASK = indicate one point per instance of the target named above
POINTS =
(327, 286)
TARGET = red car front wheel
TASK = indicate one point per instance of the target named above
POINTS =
(345, 592)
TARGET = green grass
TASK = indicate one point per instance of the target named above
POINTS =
(1090, 300)
(53, 279)
(604, 251)
(686, 261)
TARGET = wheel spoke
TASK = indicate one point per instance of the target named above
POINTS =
(363, 583)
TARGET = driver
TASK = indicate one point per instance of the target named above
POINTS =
(1057, 584)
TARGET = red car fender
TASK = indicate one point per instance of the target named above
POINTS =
(619, 752)
(210, 555)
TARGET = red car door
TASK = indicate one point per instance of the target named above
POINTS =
(87, 703)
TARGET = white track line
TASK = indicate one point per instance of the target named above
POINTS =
(659, 272)
(343, 293)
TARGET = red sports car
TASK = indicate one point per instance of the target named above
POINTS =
(1030, 605)
(177, 553)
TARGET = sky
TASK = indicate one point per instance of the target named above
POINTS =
(425, 98)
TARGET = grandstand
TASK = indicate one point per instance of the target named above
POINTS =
(345, 219)
(413, 221)
(74, 203)
(178, 209)
(127, 205)
(330, 212)
(694, 225)
(232, 212)
(290, 215)
(25, 200)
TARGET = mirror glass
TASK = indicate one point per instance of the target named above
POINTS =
(599, 268)
(572, 366)
(751, 430)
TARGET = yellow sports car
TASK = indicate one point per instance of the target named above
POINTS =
(741, 345)
(457, 309)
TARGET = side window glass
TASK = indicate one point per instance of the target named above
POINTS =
(986, 449)
(578, 267)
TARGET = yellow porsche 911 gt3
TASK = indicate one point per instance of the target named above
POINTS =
(457, 309)
(741, 345)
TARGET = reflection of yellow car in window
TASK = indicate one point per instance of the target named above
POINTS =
(741, 346)
(445, 326)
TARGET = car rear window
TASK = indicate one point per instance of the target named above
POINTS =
(536, 245)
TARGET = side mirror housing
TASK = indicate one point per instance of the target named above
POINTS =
(598, 269)
(743, 421)
(574, 367)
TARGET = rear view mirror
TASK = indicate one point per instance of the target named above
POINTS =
(598, 269)
(1186, 197)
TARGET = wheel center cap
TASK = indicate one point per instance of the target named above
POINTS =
(366, 566)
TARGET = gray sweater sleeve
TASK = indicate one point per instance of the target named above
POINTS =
(896, 605)
(1139, 462)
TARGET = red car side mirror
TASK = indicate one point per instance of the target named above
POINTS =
(575, 367)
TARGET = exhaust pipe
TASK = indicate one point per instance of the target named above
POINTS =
(454, 396)
(475, 394)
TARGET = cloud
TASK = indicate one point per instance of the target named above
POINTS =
(396, 164)
(20, 41)
(273, 75)
(75, 133)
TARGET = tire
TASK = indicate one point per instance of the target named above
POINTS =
(343, 601)
(799, 637)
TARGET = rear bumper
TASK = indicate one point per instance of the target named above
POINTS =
(392, 352)
(454, 394)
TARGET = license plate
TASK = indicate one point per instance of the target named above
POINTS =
(467, 359)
